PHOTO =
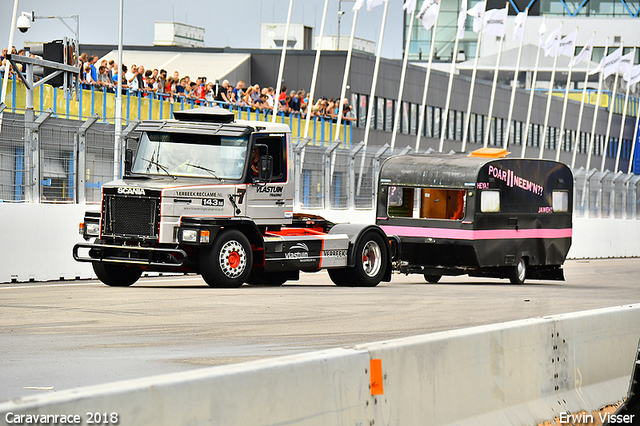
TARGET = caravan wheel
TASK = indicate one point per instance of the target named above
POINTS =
(518, 273)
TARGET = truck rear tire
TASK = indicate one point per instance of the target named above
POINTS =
(227, 263)
(370, 261)
(115, 275)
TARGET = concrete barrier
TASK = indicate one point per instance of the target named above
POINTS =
(42, 236)
(517, 373)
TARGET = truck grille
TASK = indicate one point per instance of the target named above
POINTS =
(130, 217)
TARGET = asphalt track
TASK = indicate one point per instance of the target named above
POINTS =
(61, 335)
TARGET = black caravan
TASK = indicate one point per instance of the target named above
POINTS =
(480, 214)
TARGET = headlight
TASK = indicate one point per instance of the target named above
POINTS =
(189, 235)
(93, 229)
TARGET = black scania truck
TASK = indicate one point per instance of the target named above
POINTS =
(481, 214)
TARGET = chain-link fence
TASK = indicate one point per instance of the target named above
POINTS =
(68, 161)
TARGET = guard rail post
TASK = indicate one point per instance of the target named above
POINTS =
(352, 174)
(600, 200)
(80, 151)
(327, 174)
(298, 152)
(612, 199)
(33, 153)
(376, 171)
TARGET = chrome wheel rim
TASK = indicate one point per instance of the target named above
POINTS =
(521, 270)
(371, 259)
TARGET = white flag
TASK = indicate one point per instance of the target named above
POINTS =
(518, 28)
(357, 5)
(373, 3)
(567, 45)
(541, 31)
(429, 13)
(585, 53)
(626, 63)
(409, 6)
(462, 17)
(495, 21)
(477, 12)
(634, 76)
(552, 43)
(611, 63)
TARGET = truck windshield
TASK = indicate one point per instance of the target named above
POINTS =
(178, 154)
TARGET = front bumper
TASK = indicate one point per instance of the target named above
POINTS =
(131, 255)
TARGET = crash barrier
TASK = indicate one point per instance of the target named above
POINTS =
(42, 237)
(517, 373)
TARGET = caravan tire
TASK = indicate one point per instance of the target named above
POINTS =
(370, 261)
(518, 273)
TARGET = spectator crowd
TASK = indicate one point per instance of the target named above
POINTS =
(159, 84)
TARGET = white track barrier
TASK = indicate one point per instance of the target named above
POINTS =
(517, 373)
(41, 238)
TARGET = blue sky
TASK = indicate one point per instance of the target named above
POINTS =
(227, 23)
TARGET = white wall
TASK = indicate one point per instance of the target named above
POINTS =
(517, 373)
(38, 239)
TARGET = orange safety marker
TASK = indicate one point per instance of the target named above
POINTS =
(375, 366)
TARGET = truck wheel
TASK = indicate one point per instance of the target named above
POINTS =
(273, 279)
(227, 263)
(340, 277)
(518, 273)
(115, 275)
(370, 261)
(432, 278)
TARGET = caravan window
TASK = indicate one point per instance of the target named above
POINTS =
(432, 203)
(560, 201)
(490, 201)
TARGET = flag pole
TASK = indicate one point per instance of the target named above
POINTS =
(595, 113)
(564, 103)
(282, 59)
(5, 80)
(549, 96)
(531, 93)
(467, 121)
(423, 110)
(633, 142)
(345, 78)
(487, 132)
(612, 103)
(584, 93)
(624, 116)
(444, 120)
(515, 84)
(315, 71)
(372, 96)
(396, 118)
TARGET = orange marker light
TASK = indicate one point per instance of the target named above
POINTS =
(375, 366)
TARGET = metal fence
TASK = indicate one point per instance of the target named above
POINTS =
(68, 161)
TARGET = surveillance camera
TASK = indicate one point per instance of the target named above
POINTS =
(23, 23)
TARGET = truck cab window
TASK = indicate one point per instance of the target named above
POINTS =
(489, 201)
(276, 146)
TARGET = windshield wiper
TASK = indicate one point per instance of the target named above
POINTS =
(159, 166)
(212, 172)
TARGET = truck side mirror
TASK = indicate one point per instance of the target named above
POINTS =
(266, 168)
(128, 162)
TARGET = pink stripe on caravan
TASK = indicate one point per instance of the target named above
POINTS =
(464, 234)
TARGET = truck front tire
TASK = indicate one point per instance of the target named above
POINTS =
(227, 263)
(115, 275)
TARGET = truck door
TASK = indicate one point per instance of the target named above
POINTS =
(271, 202)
